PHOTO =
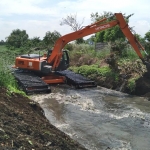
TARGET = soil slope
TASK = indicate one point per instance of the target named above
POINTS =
(23, 126)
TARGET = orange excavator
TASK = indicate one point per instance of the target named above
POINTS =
(35, 72)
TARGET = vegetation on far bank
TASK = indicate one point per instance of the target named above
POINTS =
(108, 69)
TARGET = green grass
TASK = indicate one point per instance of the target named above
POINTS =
(7, 79)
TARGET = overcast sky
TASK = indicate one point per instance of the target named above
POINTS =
(39, 16)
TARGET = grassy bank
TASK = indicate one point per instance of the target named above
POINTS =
(6, 78)
(7, 59)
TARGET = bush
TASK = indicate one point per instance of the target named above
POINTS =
(131, 84)
(69, 47)
(86, 70)
(129, 53)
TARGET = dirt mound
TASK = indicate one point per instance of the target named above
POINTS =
(23, 126)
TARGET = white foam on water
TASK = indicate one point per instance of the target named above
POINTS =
(87, 104)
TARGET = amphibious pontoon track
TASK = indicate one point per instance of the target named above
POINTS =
(30, 83)
(76, 80)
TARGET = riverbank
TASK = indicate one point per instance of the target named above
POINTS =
(124, 75)
(23, 126)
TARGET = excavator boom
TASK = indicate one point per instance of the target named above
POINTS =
(90, 29)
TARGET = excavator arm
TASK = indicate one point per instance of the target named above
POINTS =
(128, 34)
(57, 52)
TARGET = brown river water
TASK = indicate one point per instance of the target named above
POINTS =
(99, 118)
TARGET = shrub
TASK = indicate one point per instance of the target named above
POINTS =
(86, 70)
(130, 54)
(69, 47)
(131, 84)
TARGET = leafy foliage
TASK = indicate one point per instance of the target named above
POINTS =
(6, 78)
(129, 54)
(132, 84)
(140, 39)
(2, 42)
(147, 39)
(51, 37)
(35, 41)
(119, 47)
(147, 36)
(80, 41)
(69, 46)
(94, 72)
(17, 38)
(92, 69)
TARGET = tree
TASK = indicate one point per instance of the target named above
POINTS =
(2, 42)
(147, 39)
(17, 38)
(147, 36)
(71, 20)
(80, 40)
(35, 41)
(140, 39)
(51, 37)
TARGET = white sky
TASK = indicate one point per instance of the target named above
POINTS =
(39, 16)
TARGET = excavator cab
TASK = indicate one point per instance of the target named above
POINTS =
(64, 62)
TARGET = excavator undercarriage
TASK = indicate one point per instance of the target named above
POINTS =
(31, 83)
(76, 80)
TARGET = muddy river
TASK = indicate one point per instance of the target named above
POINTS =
(99, 118)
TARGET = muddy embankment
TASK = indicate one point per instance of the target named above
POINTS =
(23, 126)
